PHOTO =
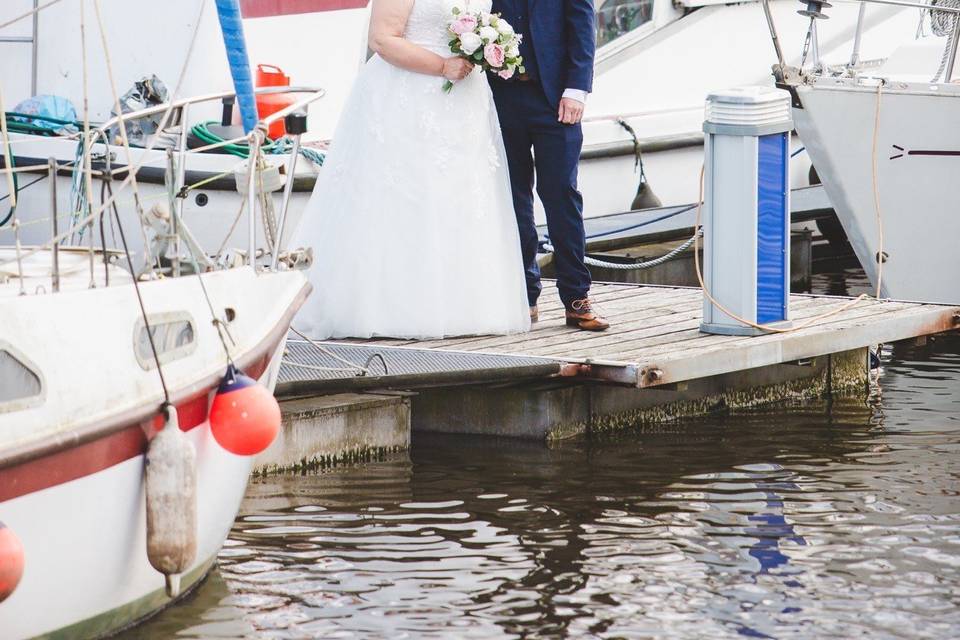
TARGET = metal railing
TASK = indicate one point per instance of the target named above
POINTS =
(98, 135)
(816, 6)
(254, 141)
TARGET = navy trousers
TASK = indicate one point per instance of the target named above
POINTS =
(529, 122)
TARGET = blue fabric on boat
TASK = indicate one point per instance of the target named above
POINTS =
(47, 106)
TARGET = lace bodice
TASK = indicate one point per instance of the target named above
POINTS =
(427, 24)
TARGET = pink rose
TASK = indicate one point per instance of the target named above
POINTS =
(506, 74)
(494, 55)
(463, 24)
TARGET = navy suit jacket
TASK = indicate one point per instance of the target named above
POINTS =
(563, 38)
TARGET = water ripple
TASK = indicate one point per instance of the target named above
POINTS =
(819, 519)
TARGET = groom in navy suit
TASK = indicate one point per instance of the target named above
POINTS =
(540, 110)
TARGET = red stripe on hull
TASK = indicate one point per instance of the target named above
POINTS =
(269, 8)
(97, 455)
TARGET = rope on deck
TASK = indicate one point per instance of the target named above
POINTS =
(635, 266)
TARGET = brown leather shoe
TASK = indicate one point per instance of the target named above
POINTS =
(534, 313)
(582, 315)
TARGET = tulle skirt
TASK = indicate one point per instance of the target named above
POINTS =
(411, 219)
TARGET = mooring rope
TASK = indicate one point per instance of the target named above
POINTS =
(881, 257)
(749, 323)
(634, 266)
(351, 366)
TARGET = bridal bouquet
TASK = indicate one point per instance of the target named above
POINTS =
(485, 39)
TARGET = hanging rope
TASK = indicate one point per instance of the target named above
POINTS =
(881, 256)
(749, 323)
(362, 370)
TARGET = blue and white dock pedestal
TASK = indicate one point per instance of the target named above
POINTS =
(746, 209)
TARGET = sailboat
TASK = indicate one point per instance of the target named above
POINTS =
(134, 393)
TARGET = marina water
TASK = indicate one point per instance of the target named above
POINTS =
(810, 520)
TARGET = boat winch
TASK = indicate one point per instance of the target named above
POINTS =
(813, 9)
(746, 210)
(171, 497)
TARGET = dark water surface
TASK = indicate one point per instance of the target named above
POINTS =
(808, 521)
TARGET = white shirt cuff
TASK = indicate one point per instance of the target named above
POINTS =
(576, 94)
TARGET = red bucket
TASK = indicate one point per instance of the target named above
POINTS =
(269, 75)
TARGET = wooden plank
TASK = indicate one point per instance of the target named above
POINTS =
(604, 296)
(689, 336)
(811, 342)
(680, 326)
(625, 324)
(545, 327)
(698, 340)
(557, 331)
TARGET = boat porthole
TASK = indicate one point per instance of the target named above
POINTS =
(202, 199)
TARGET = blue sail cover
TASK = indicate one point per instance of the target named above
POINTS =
(231, 25)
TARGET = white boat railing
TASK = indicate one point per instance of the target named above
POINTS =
(814, 9)
(254, 139)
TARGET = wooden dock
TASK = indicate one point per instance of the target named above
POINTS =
(655, 339)
(652, 365)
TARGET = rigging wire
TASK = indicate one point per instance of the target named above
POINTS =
(28, 14)
(143, 310)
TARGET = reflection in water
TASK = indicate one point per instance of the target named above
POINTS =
(812, 520)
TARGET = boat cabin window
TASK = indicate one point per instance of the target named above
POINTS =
(173, 335)
(19, 383)
(619, 17)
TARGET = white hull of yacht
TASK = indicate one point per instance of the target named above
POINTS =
(654, 77)
(918, 161)
(72, 454)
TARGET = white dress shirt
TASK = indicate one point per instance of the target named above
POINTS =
(576, 94)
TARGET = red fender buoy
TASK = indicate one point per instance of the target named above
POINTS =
(11, 561)
(245, 417)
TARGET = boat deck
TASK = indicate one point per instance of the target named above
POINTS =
(654, 340)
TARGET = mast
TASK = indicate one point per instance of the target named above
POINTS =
(231, 26)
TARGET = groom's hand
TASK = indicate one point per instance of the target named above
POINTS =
(571, 111)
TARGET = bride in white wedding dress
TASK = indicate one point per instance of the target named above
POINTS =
(411, 219)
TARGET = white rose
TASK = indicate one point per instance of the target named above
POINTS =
(470, 42)
(489, 34)
(504, 27)
(485, 19)
(513, 51)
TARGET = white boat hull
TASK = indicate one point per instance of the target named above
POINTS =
(918, 161)
(84, 542)
(72, 456)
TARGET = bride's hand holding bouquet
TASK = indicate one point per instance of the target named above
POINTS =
(484, 39)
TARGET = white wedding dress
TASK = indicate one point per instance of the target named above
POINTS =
(411, 219)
